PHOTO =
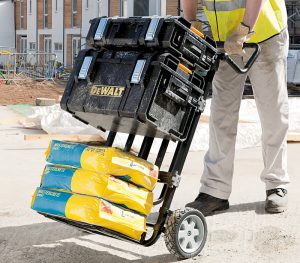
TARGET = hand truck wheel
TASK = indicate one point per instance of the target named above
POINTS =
(185, 233)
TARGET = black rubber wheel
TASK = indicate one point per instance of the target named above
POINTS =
(185, 233)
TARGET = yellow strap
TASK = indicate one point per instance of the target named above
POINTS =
(197, 32)
(185, 69)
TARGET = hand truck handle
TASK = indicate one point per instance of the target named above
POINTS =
(250, 62)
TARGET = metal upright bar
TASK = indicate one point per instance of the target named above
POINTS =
(110, 139)
(176, 166)
(162, 152)
(129, 142)
(146, 147)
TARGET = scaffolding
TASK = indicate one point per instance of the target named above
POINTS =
(26, 66)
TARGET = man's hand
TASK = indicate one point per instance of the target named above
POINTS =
(234, 43)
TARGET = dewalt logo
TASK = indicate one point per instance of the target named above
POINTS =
(108, 91)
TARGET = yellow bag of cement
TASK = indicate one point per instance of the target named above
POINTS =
(107, 160)
(90, 210)
(100, 185)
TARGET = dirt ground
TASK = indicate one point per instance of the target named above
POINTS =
(25, 92)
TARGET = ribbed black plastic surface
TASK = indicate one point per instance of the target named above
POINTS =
(161, 105)
(172, 34)
(162, 98)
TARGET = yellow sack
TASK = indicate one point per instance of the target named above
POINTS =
(107, 160)
(90, 210)
(100, 185)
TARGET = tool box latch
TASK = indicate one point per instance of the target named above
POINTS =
(85, 67)
(101, 28)
(138, 70)
(152, 29)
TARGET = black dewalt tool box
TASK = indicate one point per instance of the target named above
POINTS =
(150, 94)
(167, 34)
(143, 75)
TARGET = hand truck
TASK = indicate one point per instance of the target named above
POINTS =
(185, 230)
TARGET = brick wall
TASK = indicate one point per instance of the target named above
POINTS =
(68, 12)
(17, 14)
(114, 8)
(79, 13)
(40, 12)
(69, 51)
(172, 7)
(49, 13)
(25, 14)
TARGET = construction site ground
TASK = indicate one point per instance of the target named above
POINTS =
(244, 233)
(26, 91)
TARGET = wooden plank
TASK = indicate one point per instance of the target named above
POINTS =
(205, 118)
(292, 137)
(64, 137)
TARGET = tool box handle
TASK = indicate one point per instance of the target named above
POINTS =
(250, 62)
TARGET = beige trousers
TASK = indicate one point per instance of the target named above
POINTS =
(269, 82)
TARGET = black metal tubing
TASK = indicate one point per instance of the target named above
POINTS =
(176, 166)
(93, 229)
(161, 153)
(249, 63)
(162, 196)
(110, 138)
(146, 147)
(158, 162)
(129, 142)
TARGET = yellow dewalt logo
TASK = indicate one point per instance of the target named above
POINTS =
(109, 91)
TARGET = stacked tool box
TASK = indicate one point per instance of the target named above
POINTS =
(146, 76)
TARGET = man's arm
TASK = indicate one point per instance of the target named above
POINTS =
(253, 8)
(234, 43)
(189, 8)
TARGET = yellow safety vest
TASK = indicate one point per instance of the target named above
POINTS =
(225, 15)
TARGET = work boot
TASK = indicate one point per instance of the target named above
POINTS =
(208, 204)
(276, 201)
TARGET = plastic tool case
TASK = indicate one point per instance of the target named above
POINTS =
(149, 92)
(169, 33)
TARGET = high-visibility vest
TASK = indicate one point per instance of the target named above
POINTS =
(225, 15)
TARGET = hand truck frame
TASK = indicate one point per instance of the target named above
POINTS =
(186, 224)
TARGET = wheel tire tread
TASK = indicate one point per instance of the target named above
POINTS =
(170, 232)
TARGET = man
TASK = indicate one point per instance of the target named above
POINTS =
(235, 22)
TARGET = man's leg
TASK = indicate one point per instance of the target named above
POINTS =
(216, 180)
(268, 78)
